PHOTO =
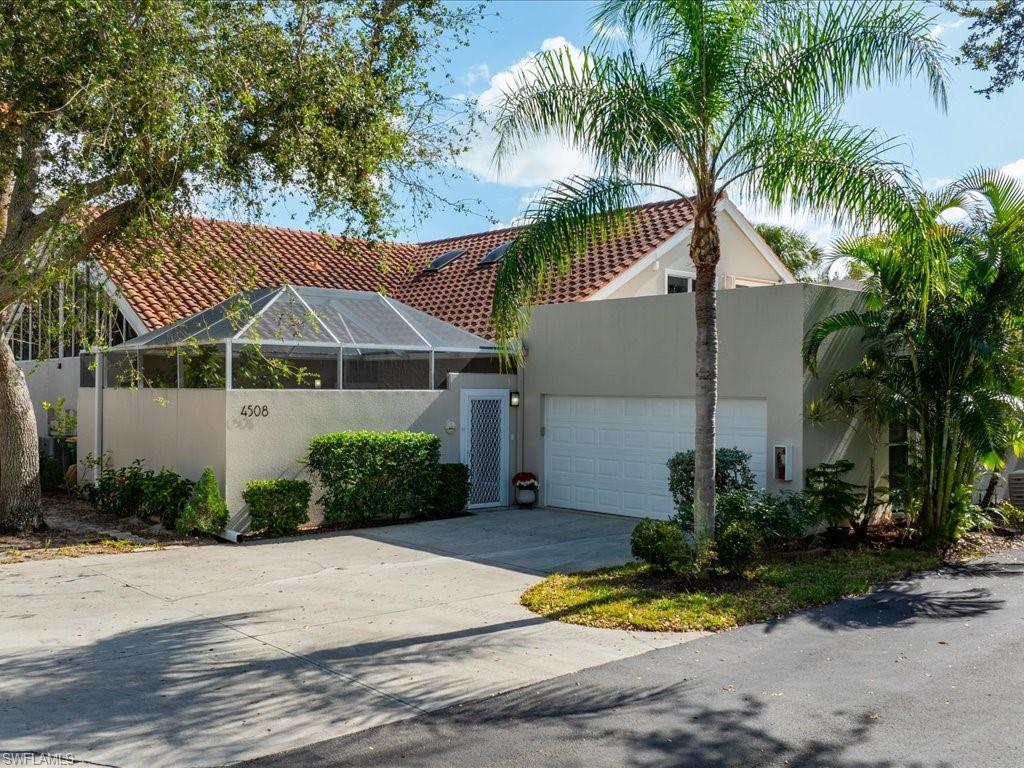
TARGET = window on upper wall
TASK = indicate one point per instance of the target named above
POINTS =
(681, 284)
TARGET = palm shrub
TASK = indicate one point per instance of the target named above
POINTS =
(737, 96)
(205, 511)
(941, 318)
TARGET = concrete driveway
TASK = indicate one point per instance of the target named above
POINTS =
(206, 655)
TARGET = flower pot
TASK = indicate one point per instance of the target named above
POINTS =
(526, 498)
(837, 535)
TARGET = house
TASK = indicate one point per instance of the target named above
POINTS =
(605, 396)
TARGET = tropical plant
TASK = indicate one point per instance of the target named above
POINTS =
(801, 255)
(835, 497)
(941, 315)
(734, 95)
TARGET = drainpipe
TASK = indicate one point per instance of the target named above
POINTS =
(97, 437)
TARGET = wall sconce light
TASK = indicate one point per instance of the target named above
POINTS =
(513, 399)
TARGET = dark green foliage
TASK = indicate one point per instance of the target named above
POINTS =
(277, 507)
(133, 490)
(164, 494)
(657, 543)
(205, 511)
(732, 470)
(778, 517)
(375, 475)
(118, 491)
(736, 545)
(51, 474)
(451, 492)
(835, 498)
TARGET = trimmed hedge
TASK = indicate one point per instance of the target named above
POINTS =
(277, 507)
(451, 491)
(375, 475)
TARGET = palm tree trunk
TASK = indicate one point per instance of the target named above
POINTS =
(705, 251)
(19, 448)
(990, 490)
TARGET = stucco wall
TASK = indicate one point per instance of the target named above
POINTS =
(273, 446)
(740, 258)
(179, 429)
(49, 380)
(644, 347)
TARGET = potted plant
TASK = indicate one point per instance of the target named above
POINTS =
(525, 485)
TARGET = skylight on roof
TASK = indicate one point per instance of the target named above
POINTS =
(496, 254)
(445, 259)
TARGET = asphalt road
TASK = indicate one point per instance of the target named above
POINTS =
(923, 673)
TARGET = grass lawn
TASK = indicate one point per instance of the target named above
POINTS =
(631, 596)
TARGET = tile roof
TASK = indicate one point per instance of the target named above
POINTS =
(214, 259)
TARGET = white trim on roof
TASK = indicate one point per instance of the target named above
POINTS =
(126, 309)
(726, 207)
(729, 207)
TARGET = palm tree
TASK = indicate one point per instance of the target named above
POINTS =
(734, 95)
(941, 315)
(801, 255)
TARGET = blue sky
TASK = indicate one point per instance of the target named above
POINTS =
(974, 132)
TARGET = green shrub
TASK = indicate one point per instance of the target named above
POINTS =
(375, 475)
(451, 490)
(119, 491)
(278, 507)
(1008, 513)
(777, 517)
(164, 494)
(205, 511)
(732, 470)
(51, 474)
(737, 546)
(657, 543)
(836, 499)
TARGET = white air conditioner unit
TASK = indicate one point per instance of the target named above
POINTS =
(1015, 488)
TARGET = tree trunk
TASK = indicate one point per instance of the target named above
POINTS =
(19, 448)
(860, 527)
(705, 251)
(990, 490)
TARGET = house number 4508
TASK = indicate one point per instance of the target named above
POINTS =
(251, 411)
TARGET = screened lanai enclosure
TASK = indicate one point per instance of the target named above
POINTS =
(294, 337)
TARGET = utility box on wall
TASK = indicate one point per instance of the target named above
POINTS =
(782, 461)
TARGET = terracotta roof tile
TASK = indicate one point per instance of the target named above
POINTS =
(214, 259)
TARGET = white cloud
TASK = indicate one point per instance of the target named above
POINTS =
(942, 27)
(478, 73)
(819, 230)
(544, 159)
(1015, 169)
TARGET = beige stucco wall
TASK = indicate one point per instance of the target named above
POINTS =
(179, 429)
(644, 347)
(273, 446)
(187, 430)
(49, 380)
(740, 258)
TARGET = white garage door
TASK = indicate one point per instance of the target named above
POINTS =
(608, 454)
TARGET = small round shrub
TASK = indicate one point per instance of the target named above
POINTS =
(658, 543)
(732, 471)
(737, 546)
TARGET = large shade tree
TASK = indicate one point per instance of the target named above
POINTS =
(942, 326)
(736, 96)
(117, 118)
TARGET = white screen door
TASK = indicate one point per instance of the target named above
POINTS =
(484, 445)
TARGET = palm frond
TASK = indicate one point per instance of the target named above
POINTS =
(571, 216)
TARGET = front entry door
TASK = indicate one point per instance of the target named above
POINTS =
(484, 445)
